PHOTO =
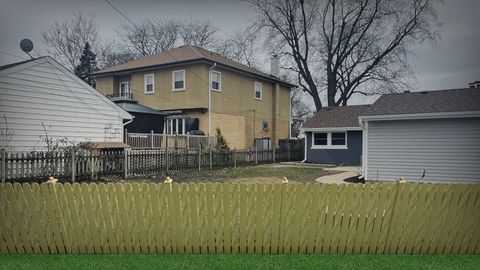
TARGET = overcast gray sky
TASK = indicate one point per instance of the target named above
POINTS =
(453, 63)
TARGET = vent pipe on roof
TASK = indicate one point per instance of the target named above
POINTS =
(275, 65)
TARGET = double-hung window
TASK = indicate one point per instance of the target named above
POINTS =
(258, 91)
(178, 80)
(148, 83)
(329, 140)
(216, 80)
(124, 90)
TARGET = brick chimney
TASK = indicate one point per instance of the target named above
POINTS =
(275, 65)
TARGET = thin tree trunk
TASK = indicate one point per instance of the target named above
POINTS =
(331, 88)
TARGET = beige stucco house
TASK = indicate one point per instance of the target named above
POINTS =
(245, 103)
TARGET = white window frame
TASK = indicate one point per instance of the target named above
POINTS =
(219, 81)
(145, 83)
(174, 121)
(329, 141)
(255, 90)
(120, 88)
(184, 80)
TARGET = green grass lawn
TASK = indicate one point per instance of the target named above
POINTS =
(130, 262)
(262, 173)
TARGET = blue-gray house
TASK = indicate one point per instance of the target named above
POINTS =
(334, 136)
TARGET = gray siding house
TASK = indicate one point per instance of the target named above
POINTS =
(429, 136)
(334, 136)
(40, 97)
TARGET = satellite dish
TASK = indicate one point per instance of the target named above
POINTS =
(27, 46)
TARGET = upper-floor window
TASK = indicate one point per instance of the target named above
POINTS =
(148, 81)
(216, 83)
(178, 80)
(124, 90)
(258, 91)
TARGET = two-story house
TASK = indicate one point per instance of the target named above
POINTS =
(245, 103)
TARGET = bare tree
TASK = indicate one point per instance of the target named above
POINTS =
(201, 33)
(300, 111)
(150, 37)
(6, 134)
(348, 47)
(109, 53)
(243, 47)
(65, 40)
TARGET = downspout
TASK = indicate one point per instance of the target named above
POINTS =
(305, 147)
(128, 122)
(362, 176)
(123, 129)
(210, 101)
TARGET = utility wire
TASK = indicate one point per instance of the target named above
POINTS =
(169, 53)
(174, 58)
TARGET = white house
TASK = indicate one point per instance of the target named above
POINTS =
(429, 136)
(40, 98)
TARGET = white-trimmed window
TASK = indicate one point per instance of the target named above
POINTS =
(216, 80)
(258, 91)
(148, 83)
(176, 126)
(178, 80)
(124, 90)
(329, 140)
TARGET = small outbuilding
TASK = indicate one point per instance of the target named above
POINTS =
(334, 136)
(431, 136)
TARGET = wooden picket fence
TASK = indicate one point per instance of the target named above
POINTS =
(240, 218)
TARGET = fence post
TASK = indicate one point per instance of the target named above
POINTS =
(210, 156)
(125, 163)
(167, 159)
(164, 140)
(151, 139)
(4, 162)
(199, 157)
(74, 165)
(125, 133)
(235, 157)
(92, 165)
(188, 140)
(273, 154)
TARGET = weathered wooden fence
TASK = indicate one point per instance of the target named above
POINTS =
(72, 166)
(240, 218)
(155, 141)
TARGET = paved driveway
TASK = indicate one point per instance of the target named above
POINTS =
(344, 172)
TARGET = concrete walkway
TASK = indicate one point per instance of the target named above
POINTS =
(341, 173)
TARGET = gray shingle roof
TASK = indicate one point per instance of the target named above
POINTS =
(451, 100)
(184, 54)
(332, 117)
